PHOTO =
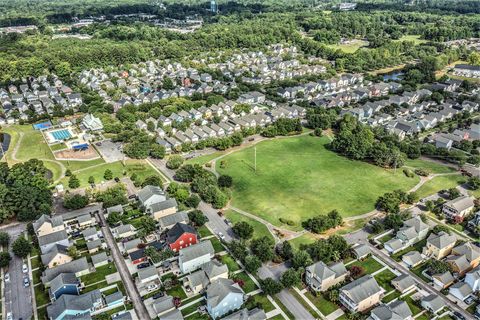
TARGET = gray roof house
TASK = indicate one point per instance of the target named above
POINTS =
(361, 294)
(461, 291)
(99, 259)
(193, 257)
(169, 221)
(79, 267)
(175, 314)
(433, 303)
(81, 305)
(403, 283)
(62, 281)
(56, 250)
(245, 314)
(223, 296)
(149, 195)
(131, 245)
(397, 310)
(163, 305)
(148, 274)
(46, 224)
(412, 231)
(321, 277)
(361, 251)
(117, 208)
(460, 206)
(412, 258)
(92, 123)
(46, 242)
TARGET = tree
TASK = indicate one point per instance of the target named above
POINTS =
(225, 181)
(474, 183)
(252, 263)
(22, 247)
(147, 224)
(75, 201)
(72, 252)
(112, 196)
(5, 259)
(197, 218)
(91, 180)
(286, 251)
(429, 205)
(4, 239)
(192, 201)
(270, 286)
(453, 193)
(113, 218)
(174, 162)
(153, 180)
(263, 248)
(157, 151)
(238, 249)
(322, 223)
(68, 173)
(356, 271)
(290, 278)
(301, 259)
(436, 266)
(73, 182)
(243, 230)
(440, 228)
(108, 174)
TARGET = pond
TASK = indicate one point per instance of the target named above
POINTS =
(394, 76)
(4, 143)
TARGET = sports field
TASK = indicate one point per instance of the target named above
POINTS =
(351, 47)
(298, 178)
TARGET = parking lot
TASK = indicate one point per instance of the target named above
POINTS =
(110, 151)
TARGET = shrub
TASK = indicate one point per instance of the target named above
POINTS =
(287, 221)
(174, 162)
(422, 172)
(409, 173)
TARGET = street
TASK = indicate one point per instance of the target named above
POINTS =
(216, 223)
(132, 291)
(18, 299)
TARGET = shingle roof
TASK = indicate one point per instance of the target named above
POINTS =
(214, 268)
(117, 208)
(52, 237)
(434, 301)
(72, 267)
(114, 297)
(172, 315)
(61, 280)
(89, 232)
(97, 207)
(148, 272)
(163, 304)
(361, 250)
(403, 282)
(132, 244)
(463, 288)
(55, 221)
(412, 257)
(245, 314)
(82, 302)
(444, 278)
(397, 310)
(362, 288)
(94, 244)
(195, 251)
(171, 219)
(159, 206)
(461, 203)
(441, 240)
(219, 289)
(178, 230)
(47, 257)
(99, 257)
(148, 191)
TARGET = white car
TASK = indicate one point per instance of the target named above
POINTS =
(221, 236)
(6, 277)
(152, 287)
(25, 268)
(9, 316)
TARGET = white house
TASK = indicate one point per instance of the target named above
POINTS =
(193, 257)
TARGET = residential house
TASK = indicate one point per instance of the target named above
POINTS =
(90, 234)
(48, 241)
(124, 231)
(396, 310)
(86, 220)
(175, 314)
(470, 251)
(245, 314)
(223, 296)
(99, 259)
(473, 279)
(461, 291)
(138, 256)
(149, 195)
(148, 274)
(114, 300)
(361, 251)
(64, 283)
(197, 281)
(439, 245)
(46, 225)
(412, 259)
(95, 245)
(57, 255)
(163, 305)
(443, 280)
(70, 306)
(361, 294)
(193, 257)
(320, 277)
(167, 222)
(459, 264)
(466, 70)
(459, 207)
(403, 283)
(79, 267)
(159, 210)
(181, 236)
(433, 303)
(412, 231)
(128, 246)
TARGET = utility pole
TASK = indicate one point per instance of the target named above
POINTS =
(255, 148)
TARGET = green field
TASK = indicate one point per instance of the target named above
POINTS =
(201, 160)
(431, 166)
(414, 38)
(259, 229)
(350, 47)
(298, 178)
(440, 183)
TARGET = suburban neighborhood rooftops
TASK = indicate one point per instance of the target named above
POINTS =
(172, 315)
(62, 280)
(52, 237)
(71, 215)
(159, 206)
(434, 301)
(178, 230)
(116, 296)
(362, 288)
(397, 310)
(55, 221)
(94, 244)
(99, 257)
(214, 268)
(56, 249)
(441, 240)
(171, 219)
(163, 304)
(245, 314)
(461, 203)
(72, 267)
(117, 208)
(219, 289)
(197, 250)
(82, 302)
(403, 282)
(149, 191)
(361, 250)
(147, 273)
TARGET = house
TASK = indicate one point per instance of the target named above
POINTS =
(412, 231)
(124, 231)
(466, 70)
(432, 303)
(117, 209)
(181, 236)
(223, 296)
(164, 208)
(94, 246)
(115, 299)
(211, 271)
(439, 245)
(48, 241)
(245, 314)
(90, 234)
(64, 283)
(78, 267)
(148, 274)
(99, 259)
(320, 277)
(361, 251)
(167, 222)
(92, 123)
(443, 280)
(149, 195)
(163, 305)
(131, 245)
(138, 256)
(412, 259)
(86, 220)
(473, 279)
(397, 310)
(459, 264)
(459, 207)
(70, 306)
(403, 283)
(175, 314)
(46, 225)
(470, 251)
(193, 257)
(461, 291)
(57, 255)
(441, 141)
(361, 294)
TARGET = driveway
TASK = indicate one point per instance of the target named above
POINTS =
(123, 270)
(18, 299)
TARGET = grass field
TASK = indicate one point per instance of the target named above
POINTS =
(369, 265)
(440, 183)
(298, 178)
(326, 307)
(259, 229)
(432, 167)
(201, 160)
(414, 38)
(350, 47)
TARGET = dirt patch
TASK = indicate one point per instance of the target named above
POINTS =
(88, 154)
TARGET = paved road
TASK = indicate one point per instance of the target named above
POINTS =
(161, 165)
(123, 270)
(420, 283)
(18, 299)
(216, 223)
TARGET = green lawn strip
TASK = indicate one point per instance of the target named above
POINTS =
(386, 238)
(74, 165)
(277, 317)
(326, 307)
(259, 301)
(36, 276)
(185, 301)
(202, 160)
(369, 265)
(217, 245)
(109, 312)
(383, 278)
(416, 247)
(99, 274)
(81, 244)
(284, 309)
(58, 146)
(472, 308)
(230, 262)
(413, 38)
(303, 303)
(192, 308)
(288, 167)
(304, 239)
(349, 47)
(248, 285)
(413, 306)
(430, 166)
(418, 271)
(259, 229)
(198, 316)
(177, 291)
(203, 231)
(439, 183)
(424, 316)
(41, 295)
(98, 285)
(42, 313)
(35, 262)
(392, 296)
(446, 317)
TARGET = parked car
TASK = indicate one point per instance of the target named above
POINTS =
(458, 315)
(220, 213)
(132, 196)
(9, 316)
(24, 268)
(6, 277)
(221, 236)
(158, 295)
(143, 265)
(26, 282)
(227, 221)
(152, 287)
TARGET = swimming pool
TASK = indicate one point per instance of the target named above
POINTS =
(61, 134)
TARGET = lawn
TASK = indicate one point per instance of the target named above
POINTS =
(217, 245)
(418, 271)
(202, 160)
(58, 146)
(41, 296)
(35, 262)
(286, 168)
(416, 247)
(413, 306)
(350, 47)
(259, 229)
(386, 238)
(261, 301)
(36, 276)
(431, 166)
(248, 285)
(191, 309)
(177, 291)
(230, 262)
(326, 307)
(414, 38)
(392, 296)
(369, 265)
(99, 274)
(204, 232)
(304, 239)
(439, 183)
(383, 278)
(284, 309)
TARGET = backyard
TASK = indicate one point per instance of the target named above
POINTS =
(439, 183)
(288, 167)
